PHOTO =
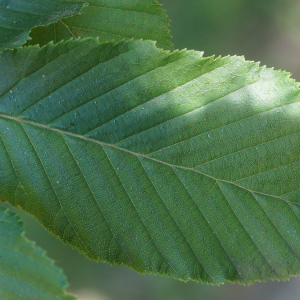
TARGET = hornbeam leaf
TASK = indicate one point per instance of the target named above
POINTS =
(25, 271)
(110, 20)
(169, 163)
(17, 18)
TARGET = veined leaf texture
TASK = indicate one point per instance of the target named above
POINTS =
(169, 163)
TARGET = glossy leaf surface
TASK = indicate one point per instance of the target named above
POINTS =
(168, 163)
(25, 271)
(111, 20)
(17, 18)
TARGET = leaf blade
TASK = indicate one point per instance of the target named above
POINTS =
(26, 272)
(111, 21)
(18, 18)
(150, 202)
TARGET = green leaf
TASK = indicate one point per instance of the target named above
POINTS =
(25, 271)
(111, 20)
(168, 163)
(17, 18)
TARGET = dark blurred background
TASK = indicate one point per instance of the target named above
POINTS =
(262, 30)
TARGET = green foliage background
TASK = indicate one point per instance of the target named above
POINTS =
(262, 31)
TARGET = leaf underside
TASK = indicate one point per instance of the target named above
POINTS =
(25, 271)
(168, 163)
(110, 20)
(17, 18)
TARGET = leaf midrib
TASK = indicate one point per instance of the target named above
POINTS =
(62, 132)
